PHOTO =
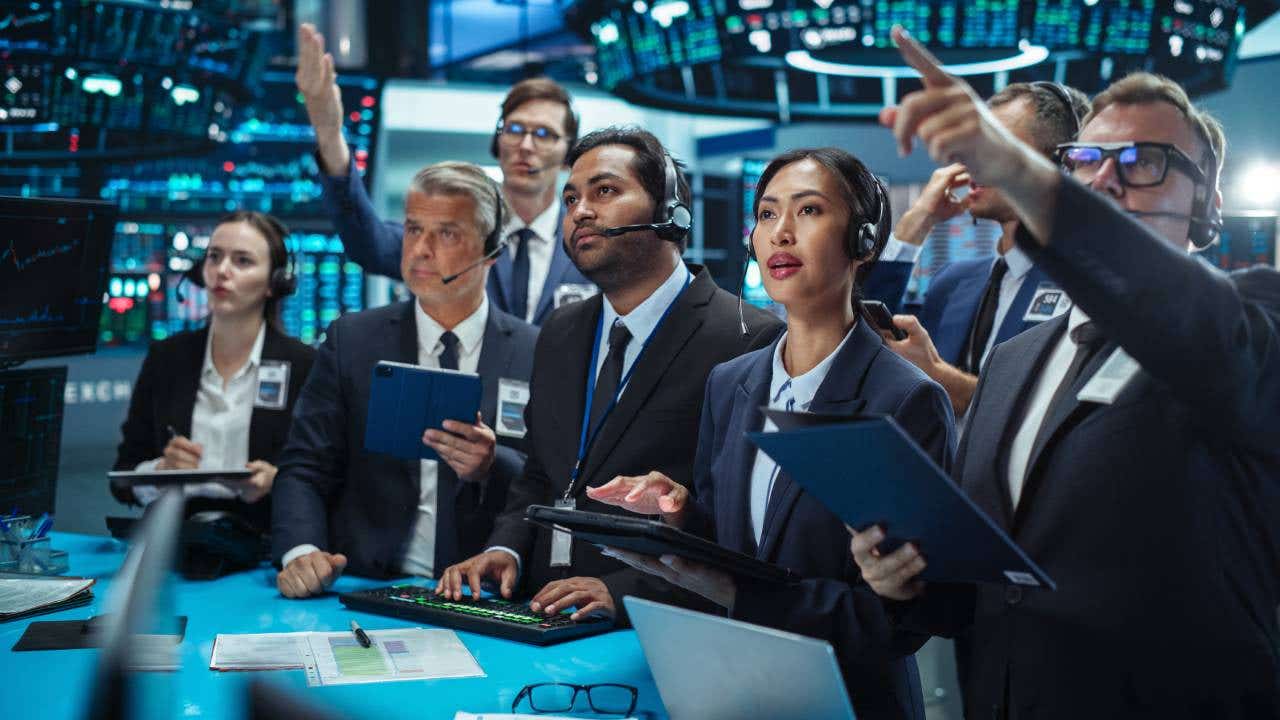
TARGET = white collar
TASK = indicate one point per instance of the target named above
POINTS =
(803, 387)
(1076, 319)
(1018, 262)
(469, 332)
(255, 355)
(644, 318)
(543, 226)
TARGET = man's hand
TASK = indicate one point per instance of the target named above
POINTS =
(180, 454)
(890, 576)
(645, 494)
(259, 484)
(318, 82)
(715, 585)
(957, 127)
(469, 449)
(917, 348)
(588, 594)
(936, 204)
(494, 565)
(310, 574)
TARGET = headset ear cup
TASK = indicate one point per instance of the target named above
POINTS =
(195, 274)
(751, 244)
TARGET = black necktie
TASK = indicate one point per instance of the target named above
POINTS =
(1089, 340)
(449, 355)
(520, 275)
(986, 318)
(610, 374)
(446, 482)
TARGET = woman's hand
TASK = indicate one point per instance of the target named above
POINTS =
(651, 494)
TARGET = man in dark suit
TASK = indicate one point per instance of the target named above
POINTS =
(535, 131)
(654, 335)
(973, 305)
(338, 504)
(1129, 447)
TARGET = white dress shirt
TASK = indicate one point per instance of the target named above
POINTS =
(419, 558)
(1055, 369)
(897, 251)
(1019, 265)
(641, 321)
(785, 393)
(219, 423)
(542, 246)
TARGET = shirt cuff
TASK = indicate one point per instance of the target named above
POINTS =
(897, 251)
(296, 553)
(512, 553)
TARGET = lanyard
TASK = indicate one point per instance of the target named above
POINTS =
(587, 438)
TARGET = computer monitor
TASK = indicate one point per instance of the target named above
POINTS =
(53, 271)
(137, 618)
(1246, 240)
(31, 404)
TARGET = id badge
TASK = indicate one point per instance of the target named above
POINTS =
(513, 395)
(1111, 379)
(273, 385)
(562, 540)
(1048, 302)
(566, 293)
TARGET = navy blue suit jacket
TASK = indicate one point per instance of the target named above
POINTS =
(1157, 514)
(886, 281)
(951, 304)
(376, 244)
(332, 493)
(832, 602)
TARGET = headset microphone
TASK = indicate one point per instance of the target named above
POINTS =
(624, 229)
(1162, 214)
(488, 256)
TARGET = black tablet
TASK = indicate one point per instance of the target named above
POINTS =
(655, 538)
(129, 478)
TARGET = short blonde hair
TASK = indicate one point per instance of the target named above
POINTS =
(461, 178)
(1141, 88)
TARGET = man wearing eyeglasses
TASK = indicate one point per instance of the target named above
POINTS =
(1130, 446)
(534, 133)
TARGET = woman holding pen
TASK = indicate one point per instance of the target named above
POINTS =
(822, 219)
(221, 397)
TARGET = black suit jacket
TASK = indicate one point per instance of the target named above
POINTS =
(1158, 515)
(332, 493)
(653, 427)
(800, 533)
(165, 394)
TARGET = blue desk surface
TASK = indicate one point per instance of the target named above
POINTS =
(55, 684)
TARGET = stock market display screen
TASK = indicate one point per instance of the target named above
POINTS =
(31, 406)
(53, 271)
(1245, 241)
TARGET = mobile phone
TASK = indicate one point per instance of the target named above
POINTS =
(882, 318)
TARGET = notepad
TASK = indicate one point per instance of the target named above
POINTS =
(20, 597)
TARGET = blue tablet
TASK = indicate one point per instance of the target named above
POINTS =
(406, 400)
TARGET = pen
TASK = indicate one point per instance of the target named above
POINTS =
(42, 529)
(361, 637)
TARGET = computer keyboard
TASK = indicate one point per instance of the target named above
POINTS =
(500, 618)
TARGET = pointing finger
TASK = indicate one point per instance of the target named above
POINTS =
(921, 59)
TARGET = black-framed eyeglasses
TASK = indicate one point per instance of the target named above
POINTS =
(604, 698)
(514, 132)
(1139, 164)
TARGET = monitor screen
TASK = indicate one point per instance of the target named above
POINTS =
(53, 268)
(1245, 241)
(31, 403)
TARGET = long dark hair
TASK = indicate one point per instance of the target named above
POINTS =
(858, 192)
(275, 233)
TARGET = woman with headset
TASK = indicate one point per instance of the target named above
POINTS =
(221, 397)
(822, 219)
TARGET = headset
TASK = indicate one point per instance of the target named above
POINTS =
(860, 242)
(673, 216)
(493, 244)
(282, 283)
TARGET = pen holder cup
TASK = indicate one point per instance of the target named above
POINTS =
(29, 556)
(12, 532)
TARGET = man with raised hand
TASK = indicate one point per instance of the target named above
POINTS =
(1129, 446)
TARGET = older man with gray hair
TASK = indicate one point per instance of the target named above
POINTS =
(339, 505)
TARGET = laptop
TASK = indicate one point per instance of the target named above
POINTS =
(709, 667)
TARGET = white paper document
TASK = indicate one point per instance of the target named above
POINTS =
(411, 654)
(273, 651)
(20, 596)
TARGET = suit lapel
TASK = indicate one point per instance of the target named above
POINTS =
(186, 383)
(264, 422)
(1013, 322)
(671, 336)
(495, 359)
(962, 309)
(560, 263)
(733, 527)
(839, 394)
(405, 331)
(575, 340)
(500, 281)
(1003, 403)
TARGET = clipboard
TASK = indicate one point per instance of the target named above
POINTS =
(656, 538)
(406, 400)
(868, 471)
